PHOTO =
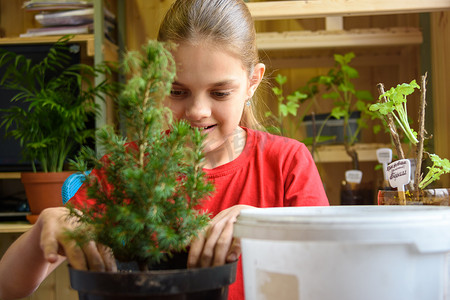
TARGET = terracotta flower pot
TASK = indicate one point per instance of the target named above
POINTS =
(43, 190)
(438, 197)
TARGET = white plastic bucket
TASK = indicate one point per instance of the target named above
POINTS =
(345, 252)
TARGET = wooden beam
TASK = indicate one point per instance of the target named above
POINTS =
(334, 23)
(337, 153)
(277, 10)
(14, 227)
(328, 62)
(332, 39)
(9, 175)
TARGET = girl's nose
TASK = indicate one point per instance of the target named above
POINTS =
(198, 108)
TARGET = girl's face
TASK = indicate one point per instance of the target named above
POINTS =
(210, 91)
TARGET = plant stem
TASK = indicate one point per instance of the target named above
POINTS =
(353, 155)
(392, 128)
(421, 132)
(314, 134)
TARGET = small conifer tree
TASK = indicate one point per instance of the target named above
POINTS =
(147, 209)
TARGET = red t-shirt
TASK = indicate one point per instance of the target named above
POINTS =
(271, 171)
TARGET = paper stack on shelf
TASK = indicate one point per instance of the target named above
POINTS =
(37, 5)
(61, 17)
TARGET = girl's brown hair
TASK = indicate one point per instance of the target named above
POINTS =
(226, 23)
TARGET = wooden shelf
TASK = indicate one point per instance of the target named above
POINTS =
(9, 175)
(336, 153)
(277, 10)
(338, 38)
(14, 227)
(109, 49)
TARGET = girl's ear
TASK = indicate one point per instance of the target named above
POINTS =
(256, 77)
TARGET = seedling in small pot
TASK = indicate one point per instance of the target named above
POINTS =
(393, 108)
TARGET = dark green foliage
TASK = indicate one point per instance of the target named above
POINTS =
(54, 124)
(286, 106)
(337, 85)
(340, 88)
(156, 180)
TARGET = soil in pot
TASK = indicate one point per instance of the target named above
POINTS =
(439, 197)
(167, 281)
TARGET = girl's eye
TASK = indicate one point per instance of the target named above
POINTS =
(220, 95)
(177, 93)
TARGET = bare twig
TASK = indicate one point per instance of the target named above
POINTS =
(421, 132)
(392, 128)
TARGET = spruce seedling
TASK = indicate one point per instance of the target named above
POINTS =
(147, 209)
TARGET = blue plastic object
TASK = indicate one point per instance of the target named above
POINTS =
(71, 185)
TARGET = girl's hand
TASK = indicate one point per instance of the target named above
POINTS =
(215, 245)
(54, 223)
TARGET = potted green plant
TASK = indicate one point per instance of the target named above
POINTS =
(59, 99)
(149, 211)
(350, 111)
(393, 108)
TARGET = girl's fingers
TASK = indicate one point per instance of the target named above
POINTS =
(49, 246)
(216, 245)
(195, 251)
(93, 257)
(223, 243)
(75, 255)
(108, 258)
(214, 233)
(51, 232)
(235, 251)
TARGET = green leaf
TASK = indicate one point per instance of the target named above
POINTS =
(362, 123)
(296, 96)
(280, 79)
(292, 108)
(383, 108)
(351, 72)
(364, 95)
(361, 105)
(283, 110)
(376, 128)
(327, 80)
(277, 91)
(332, 95)
(338, 112)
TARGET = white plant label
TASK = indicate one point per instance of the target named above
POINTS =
(353, 176)
(399, 173)
(384, 156)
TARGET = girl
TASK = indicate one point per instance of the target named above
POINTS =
(218, 72)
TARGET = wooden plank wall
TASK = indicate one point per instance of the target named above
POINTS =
(11, 12)
(440, 48)
(143, 19)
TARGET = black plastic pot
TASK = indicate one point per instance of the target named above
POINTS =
(202, 283)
